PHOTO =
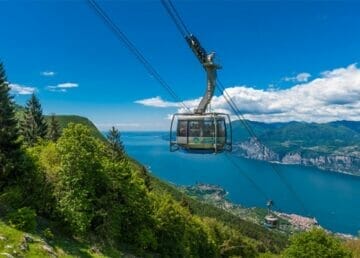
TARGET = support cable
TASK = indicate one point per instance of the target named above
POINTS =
(131, 47)
(170, 8)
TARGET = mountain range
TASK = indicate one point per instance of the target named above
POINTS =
(332, 146)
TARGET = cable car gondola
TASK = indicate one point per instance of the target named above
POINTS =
(209, 132)
(271, 221)
(202, 131)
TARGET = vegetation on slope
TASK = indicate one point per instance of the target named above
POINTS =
(65, 120)
(77, 184)
(43, 243)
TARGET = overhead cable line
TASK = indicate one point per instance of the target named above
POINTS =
(236, 165)
(170, 8)
(131, 47)
(184, 31)
(252, 133)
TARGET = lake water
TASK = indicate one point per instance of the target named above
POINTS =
(332, 198)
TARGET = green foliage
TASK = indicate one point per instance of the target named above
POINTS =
(10, 154)
(78, 183)
(48, 234)
(315, 243)
(266, 240)
(11, 198)
(23, 219)
(354, 246)
(79, 177)
(33, 125)
(54, 130)
(65, 120)
(125, 206)
(116, 147)
(178, 232)
(170, 228)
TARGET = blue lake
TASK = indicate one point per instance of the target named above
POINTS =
(332, 198)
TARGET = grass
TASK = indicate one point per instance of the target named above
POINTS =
(11, 240)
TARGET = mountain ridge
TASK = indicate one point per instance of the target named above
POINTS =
(332, 146)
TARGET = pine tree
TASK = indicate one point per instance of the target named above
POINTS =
(9, 145)
(33, 125)
(115, 143)
(54, 128)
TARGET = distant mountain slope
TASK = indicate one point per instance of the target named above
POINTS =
(334, 146)
(64, 120)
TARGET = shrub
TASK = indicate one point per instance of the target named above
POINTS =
(12, 198)
(23, 219)
(48, 234)
(315, 243)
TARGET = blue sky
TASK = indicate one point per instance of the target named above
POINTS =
(271, 53)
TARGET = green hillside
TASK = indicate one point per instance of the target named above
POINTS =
(64, 120)
(17, 243)
(83, 202)
(307, 138)
(76, 198)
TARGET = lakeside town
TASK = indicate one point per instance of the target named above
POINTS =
(289, 222)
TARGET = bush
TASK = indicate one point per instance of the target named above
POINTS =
(48, 234)
(315, 243)
(354, 246)
(23, 219)
(12, 198)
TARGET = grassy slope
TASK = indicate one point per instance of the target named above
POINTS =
(11, 240)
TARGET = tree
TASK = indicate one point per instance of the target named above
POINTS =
(54, 128)
(9, 145)
(33, 125)
(315, 243)
(115, 143)
(80, 178)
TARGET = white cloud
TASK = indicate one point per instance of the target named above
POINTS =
(157, 102)
(335, 95)
(21, 89)
(62, 87)
(48, 73)
(301, 77)
(67, 85)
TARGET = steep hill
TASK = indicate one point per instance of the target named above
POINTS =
(64, 120)
(84, 202)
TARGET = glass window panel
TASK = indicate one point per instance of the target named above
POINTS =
(194, 129)
(221, 128)
(208, 128)
(182, 128)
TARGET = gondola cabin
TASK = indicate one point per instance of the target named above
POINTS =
(271, 221)
(209, 133)
(201, 131)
